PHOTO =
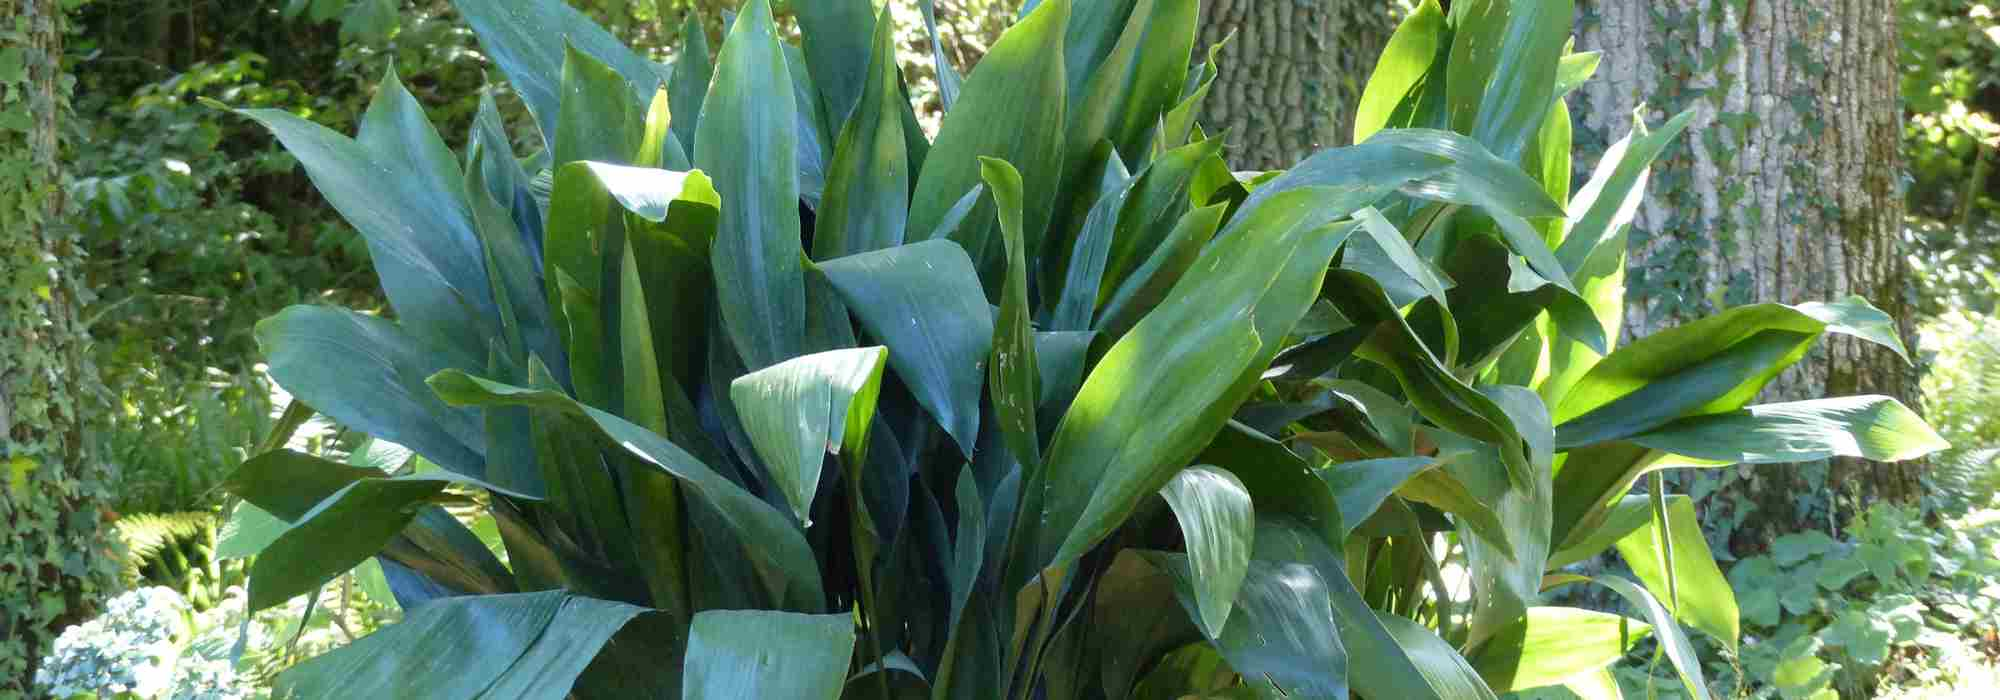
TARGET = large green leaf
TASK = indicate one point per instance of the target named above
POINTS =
(1549, 646)
(747, 143)
(1388, 656)
(1876, 428)
(527, 40)
(766, 654)
(1629, 513)
(525, 645)
(867, 198)
(1283, 637)
(797, 410)
(377, 386)
(1405, 60)
(923, 301)
(339, 533)
(769, 538)
(1476, 177)
(1170, 384)
(1514, 570)
(1145, 286)
(1698, 594)
(1217, 525)
(1713, 365)
(400, 188)
(1361, 486)
(1012, 108)
(1133, 84)
(1502, 74)
(1014, 371)
(1611, 198)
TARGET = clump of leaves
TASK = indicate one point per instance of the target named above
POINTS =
(747, 368)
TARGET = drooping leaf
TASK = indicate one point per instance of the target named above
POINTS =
(798, 410)
(1876, 428)
(525, 645)
(1282, 637)
(767, 654)
(923, 301)
(377, 387)
(1217, 524)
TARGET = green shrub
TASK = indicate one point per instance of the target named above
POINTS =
(763, 389)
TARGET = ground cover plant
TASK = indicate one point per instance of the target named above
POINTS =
(769, 395)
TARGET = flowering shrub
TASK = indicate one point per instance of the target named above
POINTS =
(149, 643)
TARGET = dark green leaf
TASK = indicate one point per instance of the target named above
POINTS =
(923, 301)
(867, 198)
(527, 40)
(527, 645)
(747, 143)
(797, 410)
(688, 86)
(767, 654)
(1014, 370)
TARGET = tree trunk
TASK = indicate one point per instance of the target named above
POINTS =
(54, 562)
(1783, 189)
(1289, 79)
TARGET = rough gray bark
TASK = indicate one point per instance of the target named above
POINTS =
(54, 561)
(1784, 190)
(1288, 81)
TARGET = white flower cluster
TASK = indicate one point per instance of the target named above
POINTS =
(142, 646)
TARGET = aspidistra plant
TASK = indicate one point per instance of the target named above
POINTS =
(771, 395)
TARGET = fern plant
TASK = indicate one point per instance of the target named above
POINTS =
(176, 550)
(772, 396)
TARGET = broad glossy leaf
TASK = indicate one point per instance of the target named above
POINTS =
(1549, 646)
(1154, 199)
(1014, 370)
(525, 645)
(1282, 637)
(688, 86)
(1389, 656)
(1713, 365)
(867, 198)
(1217, 524)
(1361, 486)
(747, 143)
(1135, 82)
(1012, 108)
(1679, 650)
(923, 301)
(1128, 431)
(247, 532)
(731, 654)
(1876, 428)
(1502, 74)
(527, 40)
(798, 410)
(769, 538)
(1145, 286)
(287, 484)
(419, 230)
(1698, 595)
(1476, 177)
(342, 531)
(1404, 63)
(377, 387)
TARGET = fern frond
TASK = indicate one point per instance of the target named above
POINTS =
(147, 535)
